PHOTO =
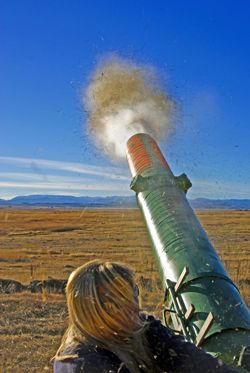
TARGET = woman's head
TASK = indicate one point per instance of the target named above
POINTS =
(103, 308)
(102, 300)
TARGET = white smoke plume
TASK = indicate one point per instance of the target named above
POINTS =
(123, 99)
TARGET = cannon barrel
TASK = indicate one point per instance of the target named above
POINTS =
(201, 301)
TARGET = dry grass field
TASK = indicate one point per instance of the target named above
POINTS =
(43, 244)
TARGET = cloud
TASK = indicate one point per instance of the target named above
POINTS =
(21, 176)
(62, 186)
(44, 164)
(31, 177)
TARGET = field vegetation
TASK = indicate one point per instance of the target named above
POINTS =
(47, 244)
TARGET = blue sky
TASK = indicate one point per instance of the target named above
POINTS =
(48, 50)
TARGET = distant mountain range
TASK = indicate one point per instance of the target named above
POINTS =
(70, 201)
(116, 201)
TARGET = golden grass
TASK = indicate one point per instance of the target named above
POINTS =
(38, 244)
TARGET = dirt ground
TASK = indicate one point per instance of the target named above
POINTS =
(47, 244)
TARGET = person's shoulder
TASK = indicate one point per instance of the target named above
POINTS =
(154, 327)
(161, 339)
(150, 319)
(173, 353)
(91, 359)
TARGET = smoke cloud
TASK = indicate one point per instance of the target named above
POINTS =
(123, 99)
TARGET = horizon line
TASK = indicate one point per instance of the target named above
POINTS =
(113, 196)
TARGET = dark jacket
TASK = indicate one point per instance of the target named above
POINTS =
(171, 353)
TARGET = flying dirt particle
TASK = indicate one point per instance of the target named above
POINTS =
(82, 213)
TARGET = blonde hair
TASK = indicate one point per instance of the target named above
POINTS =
(104, 310)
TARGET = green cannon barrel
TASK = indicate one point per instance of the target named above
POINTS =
(201, 301)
